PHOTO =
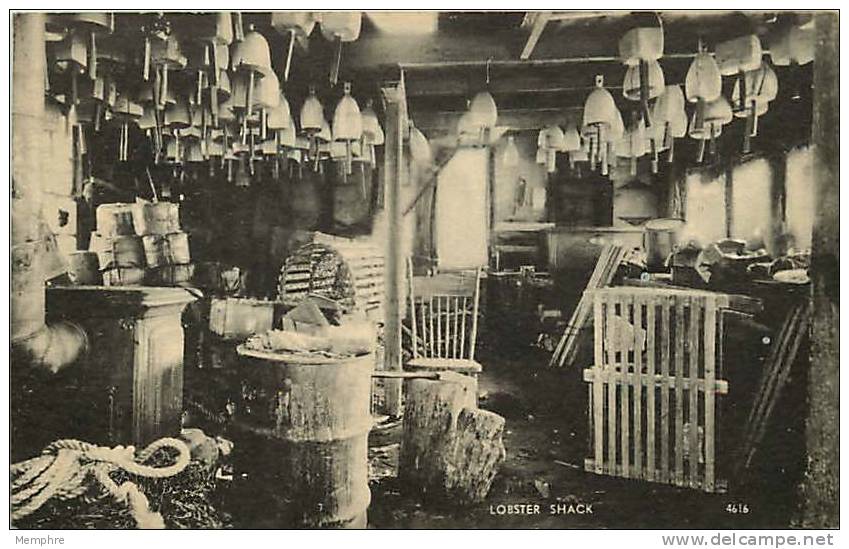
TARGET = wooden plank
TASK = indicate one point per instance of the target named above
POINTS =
(638, 388)
(465, 312)
(598, 395)
(439, 333)
(651, 326)
(624, 389)
(693, 376)
(430, 312)
(679, 389)
(710, 376)
(665, 357)
(457, 313)
(473, 336)
(540, 21)
(412, 307)
(720, 386)
(796, 331)
(610, 336)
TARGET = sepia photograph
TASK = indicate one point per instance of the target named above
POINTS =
(425, 270)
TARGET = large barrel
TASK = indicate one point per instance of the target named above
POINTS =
(308, 421)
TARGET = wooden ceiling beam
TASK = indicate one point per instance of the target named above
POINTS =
(537, 22)
(441, 122)
(569, 77)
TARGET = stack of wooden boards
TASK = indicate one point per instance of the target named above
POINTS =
(348, 271)
(577, 328)
(775, 375)
(141, 244)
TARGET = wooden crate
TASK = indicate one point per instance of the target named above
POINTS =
(654, 385)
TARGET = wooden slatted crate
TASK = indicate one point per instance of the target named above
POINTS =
(654, 385)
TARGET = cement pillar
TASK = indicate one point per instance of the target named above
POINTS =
(27, 311)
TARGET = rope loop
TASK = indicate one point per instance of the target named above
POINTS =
(64, 465)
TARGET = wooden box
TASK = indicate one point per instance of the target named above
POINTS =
(128, 388)
(238, 319)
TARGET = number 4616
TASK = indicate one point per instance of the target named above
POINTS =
(737, 508)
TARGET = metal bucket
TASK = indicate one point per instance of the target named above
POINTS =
(659, 241)
(308, 421)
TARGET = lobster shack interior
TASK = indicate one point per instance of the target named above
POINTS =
(411, 269)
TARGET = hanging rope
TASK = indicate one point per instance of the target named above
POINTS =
(65, 465)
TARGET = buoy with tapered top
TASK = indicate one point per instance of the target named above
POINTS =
(312, 120)
(372, 132)
(751, 96)
(703, 83)
(347, 123)
(717, 113)
(92, 24)
(250, 57)
(292, 24)
(339, 27)
(670, 118)
(600, 117)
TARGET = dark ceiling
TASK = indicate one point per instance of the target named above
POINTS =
(444, 68)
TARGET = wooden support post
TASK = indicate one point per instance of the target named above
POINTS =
(821, 485)
(396, 121)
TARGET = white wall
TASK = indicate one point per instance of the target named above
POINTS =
(462, 211)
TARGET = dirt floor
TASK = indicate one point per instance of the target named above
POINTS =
(546, 444)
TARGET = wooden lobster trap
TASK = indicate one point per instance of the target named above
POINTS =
(654, 385)
(342, 269)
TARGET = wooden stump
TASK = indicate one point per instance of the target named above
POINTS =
(449, 447)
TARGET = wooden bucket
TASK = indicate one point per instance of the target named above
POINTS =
(117, 251)
(84, 268)
(156, 218)
(169, 249)
(123, 276)
(306, 422)
(115, 219)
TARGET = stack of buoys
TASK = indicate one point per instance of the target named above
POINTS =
(166, 247)
(119, 249)
(141, 243)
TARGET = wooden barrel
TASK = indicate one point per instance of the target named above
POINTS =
(307, 420)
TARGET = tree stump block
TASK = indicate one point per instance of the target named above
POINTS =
(449, 449)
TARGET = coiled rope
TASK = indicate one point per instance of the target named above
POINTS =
(63, 467)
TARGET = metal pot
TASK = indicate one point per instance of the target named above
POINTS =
(659, 240)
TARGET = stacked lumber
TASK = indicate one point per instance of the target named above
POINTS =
(776, 372)
(605, 269)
